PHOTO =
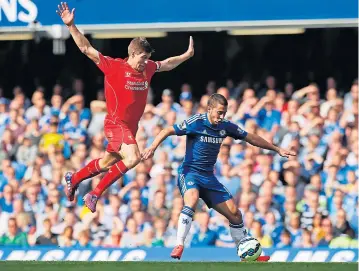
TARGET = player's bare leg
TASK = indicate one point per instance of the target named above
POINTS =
(191, 197)
(234, 216)
(92, 169)
(131, 157)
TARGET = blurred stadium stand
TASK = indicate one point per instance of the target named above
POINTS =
(306, 202)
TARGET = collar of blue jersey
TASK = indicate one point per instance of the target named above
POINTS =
(207, 122)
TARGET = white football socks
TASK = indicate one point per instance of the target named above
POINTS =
(238, 232)
(184, 224)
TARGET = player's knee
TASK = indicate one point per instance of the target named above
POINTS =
(109, 165)
(191, 198)
(132, 160)
(105, 164)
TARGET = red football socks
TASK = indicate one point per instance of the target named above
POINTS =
(114, 173)
(90, 170)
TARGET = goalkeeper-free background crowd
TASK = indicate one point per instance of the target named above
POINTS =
(310, 200)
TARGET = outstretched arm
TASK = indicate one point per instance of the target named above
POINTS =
(148, 153)
(172, 62)
(260, 142)
(81, 41)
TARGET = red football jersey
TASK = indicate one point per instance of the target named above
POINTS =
(126, 89)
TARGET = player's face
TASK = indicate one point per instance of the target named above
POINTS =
(140, 60)
(217, 113)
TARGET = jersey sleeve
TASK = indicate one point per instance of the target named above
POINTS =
(152, 67)
(108, 64)
(235, 131)
(184, 128)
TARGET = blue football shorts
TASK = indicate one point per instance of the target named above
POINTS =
(211, 191)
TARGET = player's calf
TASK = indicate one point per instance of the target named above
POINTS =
(185, 219)
(132, 159)
(184, 224)
(236, 227)
(183, 227)
(236, 217)
(191, 195)
(92, 169)
(238, 232)
(73, 180)
(115, 172)
(230, 211)
(106, 164)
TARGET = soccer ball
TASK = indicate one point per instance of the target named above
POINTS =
(249, 249)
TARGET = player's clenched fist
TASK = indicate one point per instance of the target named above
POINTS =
(66, 15)
(147, 153)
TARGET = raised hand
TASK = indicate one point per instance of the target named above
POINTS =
(66, 15)
(190, 50)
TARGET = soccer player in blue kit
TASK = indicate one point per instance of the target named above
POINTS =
(205, 134)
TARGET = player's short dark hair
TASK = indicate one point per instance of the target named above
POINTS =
(215, 99)
(139, 45)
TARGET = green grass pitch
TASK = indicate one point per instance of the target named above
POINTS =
(173, 266)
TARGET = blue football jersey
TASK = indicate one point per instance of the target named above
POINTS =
(204, 141)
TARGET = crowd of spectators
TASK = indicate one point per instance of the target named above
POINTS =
(310, 200)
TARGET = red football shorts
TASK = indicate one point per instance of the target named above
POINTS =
(118, 133)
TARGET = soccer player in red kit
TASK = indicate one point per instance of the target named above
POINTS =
(126, 87)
